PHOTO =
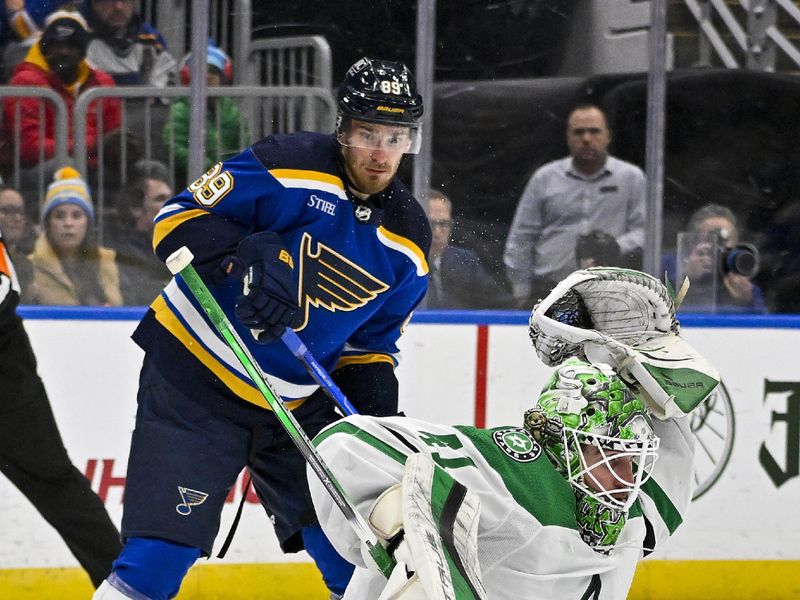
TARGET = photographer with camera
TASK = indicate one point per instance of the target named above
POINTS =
(719, 267)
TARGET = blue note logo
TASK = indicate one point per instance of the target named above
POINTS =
(189, 498)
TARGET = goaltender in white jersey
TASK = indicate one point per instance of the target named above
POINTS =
(563, 507)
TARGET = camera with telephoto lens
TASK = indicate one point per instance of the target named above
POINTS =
(741, 258)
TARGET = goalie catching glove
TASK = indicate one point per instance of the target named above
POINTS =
(625, 319)
(430, 525)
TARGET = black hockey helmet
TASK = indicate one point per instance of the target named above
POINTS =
(380, 91)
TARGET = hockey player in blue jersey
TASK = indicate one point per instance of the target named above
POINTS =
(331, 244)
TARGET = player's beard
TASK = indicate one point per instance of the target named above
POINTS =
(367, 175)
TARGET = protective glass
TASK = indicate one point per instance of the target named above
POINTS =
(403, 138)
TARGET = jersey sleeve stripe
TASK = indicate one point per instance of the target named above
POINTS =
(666, 509)
(212, 352)
(311, 180)
(364, 359)
(405, 246)
(168, 224)
(202, 333)
(361, 435)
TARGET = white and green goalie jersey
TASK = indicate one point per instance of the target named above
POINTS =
(528, 541)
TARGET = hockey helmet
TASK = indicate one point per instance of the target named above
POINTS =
(594, 428)
(380, 92)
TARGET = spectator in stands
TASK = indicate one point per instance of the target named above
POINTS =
(26, 18)
(225, 131)
(132, 51)
(569, 197)
(713, 287)
(58, 61)
(21, 22)
(17, 233)
(142, 274)
(69, 268)
(457, 277)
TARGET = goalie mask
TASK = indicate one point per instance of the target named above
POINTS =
(596, 432)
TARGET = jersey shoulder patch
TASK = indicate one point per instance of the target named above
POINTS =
(517, 444)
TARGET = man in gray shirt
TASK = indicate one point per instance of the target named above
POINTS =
(564, 199)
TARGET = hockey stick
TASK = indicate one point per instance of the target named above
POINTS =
(180, 264)
(320, 375)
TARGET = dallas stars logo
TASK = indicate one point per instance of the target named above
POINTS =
(518, 444)
(331, 281)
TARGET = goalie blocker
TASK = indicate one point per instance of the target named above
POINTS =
(626, 319)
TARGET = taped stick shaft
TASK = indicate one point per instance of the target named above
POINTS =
(183, 268)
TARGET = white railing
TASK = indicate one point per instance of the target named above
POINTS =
(754, 43)
(11, 129)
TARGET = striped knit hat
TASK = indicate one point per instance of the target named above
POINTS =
(67, 188)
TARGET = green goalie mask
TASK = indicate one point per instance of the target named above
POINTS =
(596, 432)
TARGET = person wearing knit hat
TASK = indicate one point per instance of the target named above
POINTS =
(125, 45)
(32, 453)
(226, 131)
(63, 44)
(67, 188)
(219, 63)
(69, 268)
(58, 61)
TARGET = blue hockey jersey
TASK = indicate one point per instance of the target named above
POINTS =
(361, 266)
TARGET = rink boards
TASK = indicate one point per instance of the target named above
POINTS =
(740, 539)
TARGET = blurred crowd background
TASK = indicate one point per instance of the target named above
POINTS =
(507, 76)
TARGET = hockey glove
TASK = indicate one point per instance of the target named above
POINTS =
(601, 304)
(269, 302)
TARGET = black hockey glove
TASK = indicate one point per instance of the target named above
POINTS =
(269, 302)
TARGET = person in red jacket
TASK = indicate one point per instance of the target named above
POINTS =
(58, 61)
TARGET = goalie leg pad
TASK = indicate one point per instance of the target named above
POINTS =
(402, 587)
(440, 518)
